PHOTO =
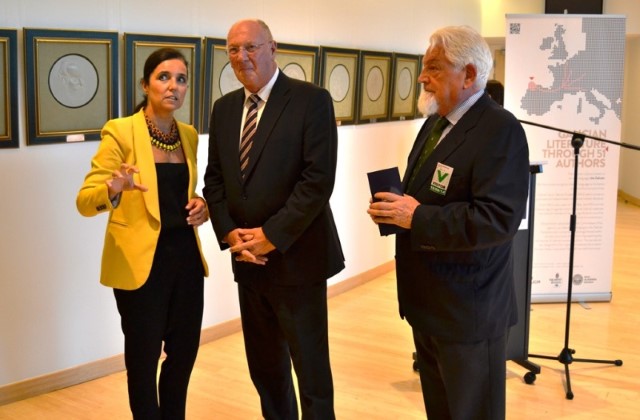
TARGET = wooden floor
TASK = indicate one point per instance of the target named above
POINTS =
(371, 357)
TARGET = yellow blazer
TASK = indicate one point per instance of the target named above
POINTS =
(134, 225)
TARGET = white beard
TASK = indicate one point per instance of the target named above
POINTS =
(427, 104)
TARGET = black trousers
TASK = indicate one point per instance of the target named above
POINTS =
(462, 381)
(167, 308)
(281, 325)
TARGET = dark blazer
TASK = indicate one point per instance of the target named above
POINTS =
(454, 267)
(289, 181)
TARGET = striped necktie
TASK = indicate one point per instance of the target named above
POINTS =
(430, 144)
(248, 131)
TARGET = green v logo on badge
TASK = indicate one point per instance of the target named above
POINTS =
(442, 176)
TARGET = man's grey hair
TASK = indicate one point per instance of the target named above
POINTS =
(464, 45)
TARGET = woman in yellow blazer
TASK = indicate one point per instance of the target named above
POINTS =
(144, 175)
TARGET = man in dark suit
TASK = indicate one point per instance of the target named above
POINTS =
(269, 204)
(462, 206)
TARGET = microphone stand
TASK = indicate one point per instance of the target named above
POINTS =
(566, 355)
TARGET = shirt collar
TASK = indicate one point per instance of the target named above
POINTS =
(457, 113)
(266, 89)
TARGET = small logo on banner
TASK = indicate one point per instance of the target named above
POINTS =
(441, 178)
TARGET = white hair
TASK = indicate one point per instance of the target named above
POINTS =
(463, 45)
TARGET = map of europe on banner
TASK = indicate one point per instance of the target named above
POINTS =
(566, 72)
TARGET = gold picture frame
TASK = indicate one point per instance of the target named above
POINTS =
(9, 134)
(404, 86)
(339, 75)
(298, 61)
(139, 46)
(71, 84)
(219, 78)
(375, 81)
(418, 114)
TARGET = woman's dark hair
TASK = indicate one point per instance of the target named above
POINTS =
(153, 61)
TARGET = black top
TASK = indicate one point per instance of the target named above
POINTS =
(173, 182)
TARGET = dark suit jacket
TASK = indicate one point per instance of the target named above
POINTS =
(454, 266)
(289, 181)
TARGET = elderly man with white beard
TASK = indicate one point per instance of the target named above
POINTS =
(465, 193)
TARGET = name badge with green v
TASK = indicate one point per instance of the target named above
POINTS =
(441, 178)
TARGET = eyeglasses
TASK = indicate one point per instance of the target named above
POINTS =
(249, 48)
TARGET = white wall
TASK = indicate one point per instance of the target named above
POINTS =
(53, 313)
(629, 181)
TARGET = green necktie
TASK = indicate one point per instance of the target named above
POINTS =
(429, 145)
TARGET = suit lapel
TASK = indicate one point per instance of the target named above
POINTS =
(418, 145)
(230, 143)
(454, 138)
(189, 147)
(278, 99)
(146, 165)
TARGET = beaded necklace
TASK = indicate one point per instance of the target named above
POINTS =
(167, 142)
